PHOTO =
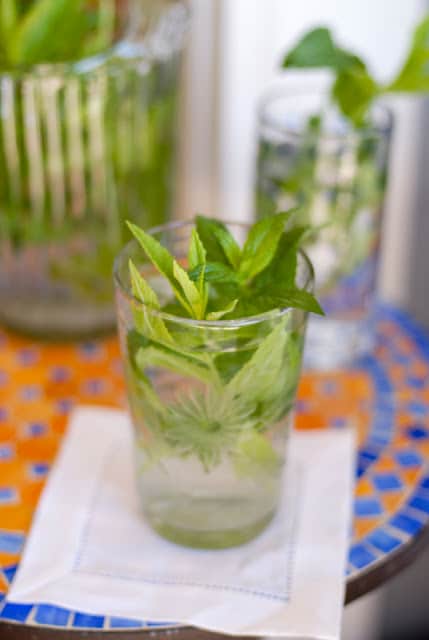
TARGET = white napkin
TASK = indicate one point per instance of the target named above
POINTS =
(90, 549)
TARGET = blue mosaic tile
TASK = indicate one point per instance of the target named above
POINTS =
(368, 456)
(27, 356)
(125, 623)
(39, 469)
(47, 614)
(9, 572)
(60, 374)
(425, 483)
(7, 452)
(420, 503)
(406, 523)
(387, 481)
(408, 458)
(383, 541)
(330, 387)
(338, 423)
(11, 542)
(418, 408)
(420, 337)
(367, 507)
(30, 392)
(16, 612)
(360, 470)
(416, 383)
(379, 438)
(360, 556)
(154, 625)
(383, 422)
(383, 404)
(85, 621)
(8, 495)
(418, 432)
(65, 405)
(95, 387)
(89, 348)
(401, 358)
(380, 378)
(36, 429)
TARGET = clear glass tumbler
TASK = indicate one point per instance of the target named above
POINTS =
(211, 403)
(310, 157)
(85, 146)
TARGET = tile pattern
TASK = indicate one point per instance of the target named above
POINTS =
(386, 397)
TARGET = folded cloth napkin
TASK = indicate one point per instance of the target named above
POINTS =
(90, 549)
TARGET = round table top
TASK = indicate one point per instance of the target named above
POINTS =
(386, 397)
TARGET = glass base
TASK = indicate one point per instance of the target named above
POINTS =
(211, 539)
(207, 509)
(337, 343)
(51, 322)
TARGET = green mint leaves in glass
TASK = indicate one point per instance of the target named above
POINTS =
(337, 175)
(328, 153)
(212, 319)
(88, 97)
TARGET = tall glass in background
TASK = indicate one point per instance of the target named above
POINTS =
(310, 157)
(84, 146)
(211, 403)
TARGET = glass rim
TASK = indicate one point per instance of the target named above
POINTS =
(110, 55)
(206, 324)
(80, 66)
(272, 95)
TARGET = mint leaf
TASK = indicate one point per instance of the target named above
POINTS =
(317, 50)
(355, 90)
(198, 256)
(162, 260)
(217, 315)
(263, 380)
(261, 245)
(414, 75)
(192, 294)
(214, 272)
(255, 453)
(229, 246)
(148, 324)
(299, 299)
(282, 269)
(218, 241)
(141, 289)
(167, 358)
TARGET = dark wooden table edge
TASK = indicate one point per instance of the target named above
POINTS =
(385, 569)
(364, 583)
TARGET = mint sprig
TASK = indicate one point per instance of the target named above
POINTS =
(239, 384)
(245, 281)
(354, 89)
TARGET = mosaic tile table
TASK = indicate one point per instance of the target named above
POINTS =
(386, 397)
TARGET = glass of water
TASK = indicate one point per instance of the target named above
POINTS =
(311, 157)
(211, 403)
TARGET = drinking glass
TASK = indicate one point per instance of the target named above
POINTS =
(211, 403)
(310, 157)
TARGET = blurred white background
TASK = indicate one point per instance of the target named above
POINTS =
(233, 58)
